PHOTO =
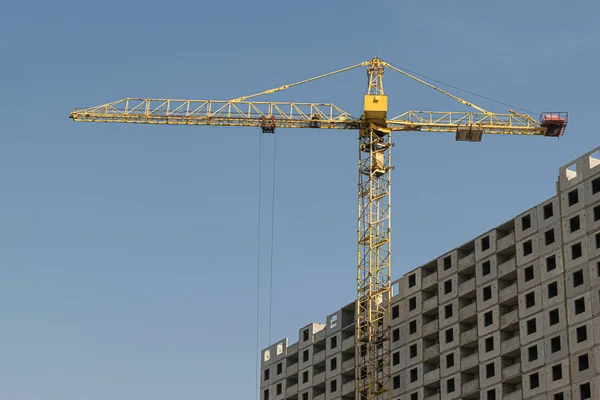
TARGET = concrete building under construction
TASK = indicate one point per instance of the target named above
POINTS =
(512, 314)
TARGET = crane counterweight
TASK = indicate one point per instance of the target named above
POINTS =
(555, 123)
(469, 133)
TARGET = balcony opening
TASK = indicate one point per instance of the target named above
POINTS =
(532, 352)
(412, 303)
(487, 293)
(527, 248)
(414, 375)
(548, 211)
(485, 243)
(531, 326)
(551, 263)
(594, 159)
(596, 186)
(412, 280)
(557, 372)
(555, 345)
(486, 268)
(447, 263)
(448, 286)
(554, 317)
(333, 321)
(412, 328)
(530, 300)
(571, 171)
(573, 197)
(579, 306)
(534, 381)
(526, 222)
(586, 391)
(583, 362)
(489, 344)
(581, 333)
(488, 318)
(577, 278)
(574, 224)
(450, 385)
(489, 371)
(529, 273)
(395, 312)
(449, 335)
(448, 311)
(549, 237)
(413, 351)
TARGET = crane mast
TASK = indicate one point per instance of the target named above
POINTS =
(372, 322)
(372, 355)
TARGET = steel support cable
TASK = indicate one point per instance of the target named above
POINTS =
(284, 87)
(272, 235)
(462, 90)
(258, 269)
(462, 101)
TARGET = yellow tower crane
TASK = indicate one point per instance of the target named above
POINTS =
(372, 326)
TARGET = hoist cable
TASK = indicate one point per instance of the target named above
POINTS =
(257, 355)
(272, 234)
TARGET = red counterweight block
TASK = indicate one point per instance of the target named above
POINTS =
(554, 122)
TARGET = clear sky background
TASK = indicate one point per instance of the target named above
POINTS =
(128, 254)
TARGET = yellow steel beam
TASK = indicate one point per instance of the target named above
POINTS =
(294, 115)
(372, 356)
(219, 113)
(440, 121)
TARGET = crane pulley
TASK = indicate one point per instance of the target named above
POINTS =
(372, 327)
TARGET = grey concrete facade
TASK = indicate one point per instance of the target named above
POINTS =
(513, 314)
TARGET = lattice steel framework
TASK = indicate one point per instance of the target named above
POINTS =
(375, 73)
(373, 313)
(374, 276)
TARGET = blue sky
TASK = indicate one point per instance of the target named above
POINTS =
(129, 253)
